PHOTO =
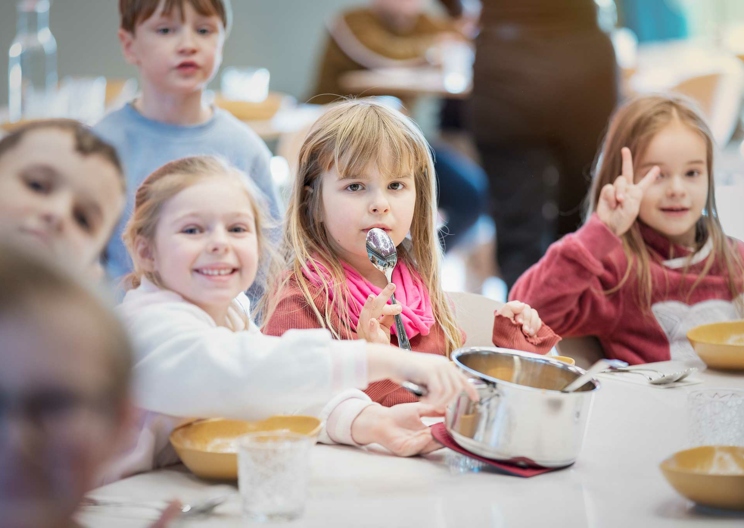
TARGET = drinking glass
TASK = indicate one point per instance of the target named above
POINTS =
(272, 474)
(716, 417)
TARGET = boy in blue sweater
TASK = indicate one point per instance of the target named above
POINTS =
(177, 47)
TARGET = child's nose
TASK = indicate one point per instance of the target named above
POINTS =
(379, 204)
(188, 41)
(57, 208)
(676, 186)
(218, 241)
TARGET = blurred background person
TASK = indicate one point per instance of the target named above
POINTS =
(544, 86)
(399, 33)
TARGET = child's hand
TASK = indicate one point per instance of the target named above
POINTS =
(619, 203)
(398, 429)
(523, 314)
(376, 317)
(444, 382)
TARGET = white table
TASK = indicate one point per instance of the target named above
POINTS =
(615, 482)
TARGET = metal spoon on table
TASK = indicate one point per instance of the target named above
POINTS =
(383, 255)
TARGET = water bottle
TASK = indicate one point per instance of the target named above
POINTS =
(32, 63)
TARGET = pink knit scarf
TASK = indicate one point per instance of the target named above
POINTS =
(410, 292)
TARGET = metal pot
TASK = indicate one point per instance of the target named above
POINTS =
(522, 416)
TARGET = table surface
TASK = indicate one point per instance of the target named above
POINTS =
(615, 482)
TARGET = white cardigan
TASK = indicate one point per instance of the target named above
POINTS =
(186, 366)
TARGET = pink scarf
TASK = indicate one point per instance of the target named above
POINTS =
(417, 315)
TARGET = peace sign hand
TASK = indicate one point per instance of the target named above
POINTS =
(620, 202)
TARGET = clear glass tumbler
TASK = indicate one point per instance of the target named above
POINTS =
(716, 417)
(273, 471)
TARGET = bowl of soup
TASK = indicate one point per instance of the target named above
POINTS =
(719, 345)
(711, 476)
(209, 448)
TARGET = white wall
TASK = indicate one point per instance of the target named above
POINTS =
(283, 35)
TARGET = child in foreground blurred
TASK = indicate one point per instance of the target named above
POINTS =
(63, 391)
(652, 261)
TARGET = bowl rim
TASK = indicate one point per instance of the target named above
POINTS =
(666, 464)
(176, 441)
(700, 328)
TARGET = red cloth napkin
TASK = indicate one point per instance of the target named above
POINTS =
(440, 434)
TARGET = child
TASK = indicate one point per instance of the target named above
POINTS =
(177, 47)
(362, 166)
(61, 191)
(651, 261)
(63, 390)
(196, 238)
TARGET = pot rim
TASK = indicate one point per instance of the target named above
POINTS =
(512, 352)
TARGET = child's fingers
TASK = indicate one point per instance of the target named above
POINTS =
(649, 178)
(385, 322)
(627, 164)
(608, 195)
(621, 186)
(392, 309)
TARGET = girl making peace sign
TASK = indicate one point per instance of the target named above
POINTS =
(651, 260)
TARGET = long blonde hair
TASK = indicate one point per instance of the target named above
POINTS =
(169, 180)
(634, 125)
(349, 137)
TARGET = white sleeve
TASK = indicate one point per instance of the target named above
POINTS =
(188, 367)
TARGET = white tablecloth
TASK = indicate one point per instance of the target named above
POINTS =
(616, 481)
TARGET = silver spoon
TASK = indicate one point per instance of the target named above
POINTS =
(599, 366)
(195, 509)
(381, 252)
(383, 255)
(662, 379)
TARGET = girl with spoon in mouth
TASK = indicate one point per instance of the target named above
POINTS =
(365, 166)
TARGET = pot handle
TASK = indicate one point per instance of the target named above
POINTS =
(416, 390)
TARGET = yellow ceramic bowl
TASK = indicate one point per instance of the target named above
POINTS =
(708, 475)
(720, 345)
(249, 111)
(564, 359)
(209, 447)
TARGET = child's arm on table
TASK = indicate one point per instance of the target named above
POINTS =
(185, 367)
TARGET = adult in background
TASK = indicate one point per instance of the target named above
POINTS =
(544, 86)
(394, 34)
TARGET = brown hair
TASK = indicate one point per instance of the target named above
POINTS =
(87, 143)
(133, 12)
(349, 137)
(634, 125)
(169, 180)
(36, 287)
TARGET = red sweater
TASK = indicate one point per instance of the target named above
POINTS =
(567, 288)
(293, 311)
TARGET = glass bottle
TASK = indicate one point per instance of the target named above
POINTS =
(32, 62)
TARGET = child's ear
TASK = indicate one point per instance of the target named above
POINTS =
(144, 254)
(126, 39)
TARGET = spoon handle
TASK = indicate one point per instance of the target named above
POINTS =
(400, 331)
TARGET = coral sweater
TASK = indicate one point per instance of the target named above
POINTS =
(294, 312)
(567, 287)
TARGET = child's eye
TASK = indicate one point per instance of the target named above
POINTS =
(82, 220)
(191, 230)
(354, 187)
(692, 173)
(396, 186)
(39, 186)
(204, 31)
(239, 229)
(164, 30)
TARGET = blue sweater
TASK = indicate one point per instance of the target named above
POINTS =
(144, 145)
